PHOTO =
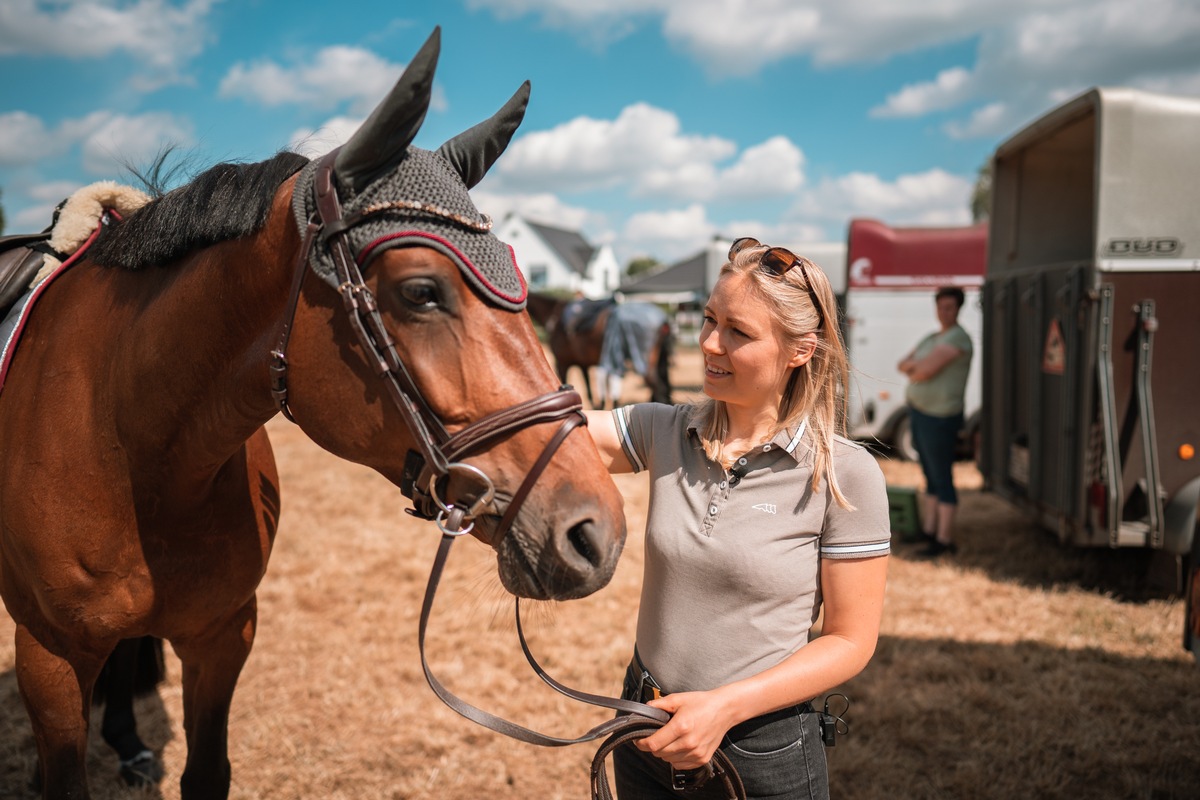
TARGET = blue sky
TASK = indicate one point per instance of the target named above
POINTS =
(653, 125)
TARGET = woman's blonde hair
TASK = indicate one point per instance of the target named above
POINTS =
(801, 302)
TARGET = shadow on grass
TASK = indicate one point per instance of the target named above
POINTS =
(946, 719)
(1001, 540)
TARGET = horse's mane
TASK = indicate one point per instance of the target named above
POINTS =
(224, 202)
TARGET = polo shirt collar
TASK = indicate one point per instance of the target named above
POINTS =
(786, 440)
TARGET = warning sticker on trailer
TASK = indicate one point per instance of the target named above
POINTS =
(1054, 354)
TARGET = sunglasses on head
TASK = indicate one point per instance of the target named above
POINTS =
(778, 261)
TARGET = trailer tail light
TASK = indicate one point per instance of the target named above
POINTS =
(1187, 452)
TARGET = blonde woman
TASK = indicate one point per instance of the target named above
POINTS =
(760, 516)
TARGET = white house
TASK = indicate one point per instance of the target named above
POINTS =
(554, 258)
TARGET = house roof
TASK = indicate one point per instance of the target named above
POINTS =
(574, 250)
(687, 275)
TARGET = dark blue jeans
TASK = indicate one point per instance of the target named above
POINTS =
(779, 756)
(936, 439)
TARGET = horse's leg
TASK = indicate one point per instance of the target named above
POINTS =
(602, 393)
(661, 366)
(587, 386)
(211, 666)
(139, 765)
(57, 696)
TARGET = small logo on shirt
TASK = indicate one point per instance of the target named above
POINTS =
(766, 507)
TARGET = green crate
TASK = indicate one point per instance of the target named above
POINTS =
(903, 513)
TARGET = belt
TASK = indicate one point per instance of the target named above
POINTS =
(648, 689)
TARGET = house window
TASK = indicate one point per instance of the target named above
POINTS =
(537, 276)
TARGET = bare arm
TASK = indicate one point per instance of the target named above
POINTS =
(853, 596)
(938, 359)
(603, 429)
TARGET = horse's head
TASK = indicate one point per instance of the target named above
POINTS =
(417, 289)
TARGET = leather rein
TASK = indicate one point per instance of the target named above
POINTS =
(440, 455)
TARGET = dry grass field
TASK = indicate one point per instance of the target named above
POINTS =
(1018, 669)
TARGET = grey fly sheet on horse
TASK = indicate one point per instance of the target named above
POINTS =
(629, 336)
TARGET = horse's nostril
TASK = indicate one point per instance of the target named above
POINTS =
(580, 536)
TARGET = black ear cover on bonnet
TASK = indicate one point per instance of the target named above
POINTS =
(410, 197)
(382, 140)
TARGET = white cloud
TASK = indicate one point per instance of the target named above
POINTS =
(337, 75)
(24, 139)
(934, 197)
(1032, 61)
(668, 234)
(738, 37)
(334, 132)
(775, 167)
(32, 218)
(950, 88)
(107, 141)
(994, 119)
(133, 140)
(36, 204)
(540, 207)
(161, 35)
(1028, 52)
(642, 149)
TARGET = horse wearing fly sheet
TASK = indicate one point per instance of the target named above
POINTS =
(362, 294)
(610, 336)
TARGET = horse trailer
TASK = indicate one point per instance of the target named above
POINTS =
(1090, 413)
(893, 274)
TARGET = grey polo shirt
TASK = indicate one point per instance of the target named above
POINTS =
(731, 582)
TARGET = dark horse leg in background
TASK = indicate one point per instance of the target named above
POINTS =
(659, 376)
(134, 669)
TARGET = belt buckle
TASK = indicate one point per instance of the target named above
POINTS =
(689, 780)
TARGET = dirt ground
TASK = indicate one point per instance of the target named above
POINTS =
(1016, 669)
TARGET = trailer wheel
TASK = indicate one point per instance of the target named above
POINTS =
(902, 440)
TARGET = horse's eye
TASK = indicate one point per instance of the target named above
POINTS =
(420, 293)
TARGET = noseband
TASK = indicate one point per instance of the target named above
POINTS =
(439, 454)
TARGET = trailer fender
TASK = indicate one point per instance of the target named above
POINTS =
(1180, 517)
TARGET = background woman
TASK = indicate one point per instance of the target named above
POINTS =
(937, 370)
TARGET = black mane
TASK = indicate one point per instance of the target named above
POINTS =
(225, 202)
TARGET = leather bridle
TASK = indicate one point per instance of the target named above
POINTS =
(439, 455)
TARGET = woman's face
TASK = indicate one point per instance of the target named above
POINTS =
(745, 363)
(947, 311)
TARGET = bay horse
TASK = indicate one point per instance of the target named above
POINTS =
(607, 335)
(362, 295)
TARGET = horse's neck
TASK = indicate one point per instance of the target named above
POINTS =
(194, 361)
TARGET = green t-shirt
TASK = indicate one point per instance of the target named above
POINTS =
(942, 395)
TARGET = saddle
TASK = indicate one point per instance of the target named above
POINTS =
(21, 256)
(580, 316)
(24, 255)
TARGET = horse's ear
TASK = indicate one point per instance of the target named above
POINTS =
(381, 141)
(474, 151)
